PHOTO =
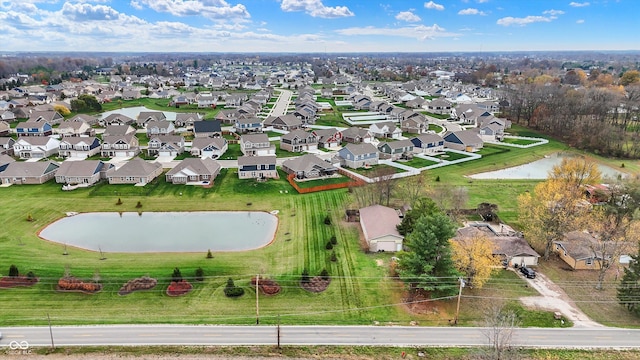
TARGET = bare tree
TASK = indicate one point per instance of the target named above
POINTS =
(412, 187)
(384, 183)
(500, 325)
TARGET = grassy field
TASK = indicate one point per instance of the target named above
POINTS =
(417, 162)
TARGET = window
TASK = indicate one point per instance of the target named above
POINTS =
(589, 261)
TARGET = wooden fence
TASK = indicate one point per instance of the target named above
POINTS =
(353, 182)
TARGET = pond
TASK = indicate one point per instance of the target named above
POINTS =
(538, 170)
(133, 232)
(133, 112)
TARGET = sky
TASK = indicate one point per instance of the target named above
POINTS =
(318, 26)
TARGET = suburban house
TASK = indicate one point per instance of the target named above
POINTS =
(207, 128)
(256, 144)
(414, 124)
(6, 145)
(79, 147)
(491, 132)
(257, 167)
(144, 117)
(385, 130)
(75, 128)
(328, 138)
(286, 122)
(508, 245)
(21, 172)
(33, 128)
(5, 160)
(166, 145)
(86, 172)
(194, 170)
(430, 144)
(379, 226)
(463, 140)
(186, 119)
(91, 120)
(206, 147)
(469, 113)
(358, 155)
(36, 147)
(299, 141)
(117, 119)
(356, 135)
(5, 128)
(135, 171)
(579, 250)
(248, 125)
(120, 146)
(308, 166)
(395, 150)
(155, 127)
(118, 130)
(7, 116)
(439, 106)
(52, 117)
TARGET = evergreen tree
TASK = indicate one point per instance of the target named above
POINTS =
(13, 271)
(422, 206)
(629, 289)
(305, 277)
(427, 265)
(177, 275)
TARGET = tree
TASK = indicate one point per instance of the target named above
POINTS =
(209, 254)
(630, 77)
(61, 109)
(420, 207)
(231, 290)
(553, 209)
(500, 325)
(629, 289)
(199, 274)
(176, 276)
(427, 265)
(473, 257)
(324, 274)
(305, 277)
(576, 172)
(13, 271)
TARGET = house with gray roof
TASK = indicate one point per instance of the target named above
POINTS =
(257, 167)
(163, 127)
(248, 125)
(135, 171)
(379, 227)
(117, 119)
(385, 130)
(166, 145)
(358, 155)
(5, 160)
(206, 147)
(147, 116)
(328, 138)
(286, 122)
(396, 150)
(36, 147)
(6, 145)
(256, 145)
(89, 119)
(207, 128)
(86, 172)
(52, 117)
(356, 135)
(463, 140)
(186, 119)
(79, 147)
(34, 128)
(299, 141)
(430, 144)
(194, 170)
(120, 146)
(22, 172)
(308, 166)
(75, 128)
(118, 130)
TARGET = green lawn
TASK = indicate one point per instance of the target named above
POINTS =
(371, 171)
(319, 182)
(418, 163)
(233, 152)
(451, 156)
(436, 128)
(519, 141)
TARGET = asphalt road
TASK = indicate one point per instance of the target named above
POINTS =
(314, 335)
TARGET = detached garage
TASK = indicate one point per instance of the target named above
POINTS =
(379, 227)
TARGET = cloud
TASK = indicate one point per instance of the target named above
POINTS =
(433, 6)
(577, 4)
(408, 16)
(471, 11)
(509, 21)
(315, 8)
(84, 12)
(580, 21)
(553, 13)
(213, 9)
(420, 32)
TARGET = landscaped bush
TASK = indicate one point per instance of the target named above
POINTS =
(268, 286)
(13, 271)
(333, 257)
(327, 220)
(70, 283)
(209, 254)
(324, 274)
(305, 276)
(317, 284)
(178, 288)
(141, 283)
(119, 202)
(138, 205)
(14, 279)
(334, 240)
(199, 275)
(329, 245)
(176, 276)
(231, 290)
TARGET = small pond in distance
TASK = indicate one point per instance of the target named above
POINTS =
(164, 231)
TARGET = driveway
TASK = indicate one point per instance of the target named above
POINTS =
(552, 297)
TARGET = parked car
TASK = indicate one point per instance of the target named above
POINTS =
(528, 272)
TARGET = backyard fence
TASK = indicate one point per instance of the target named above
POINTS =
(354, 182)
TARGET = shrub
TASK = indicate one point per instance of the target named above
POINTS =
(31, 276)
(231, 290)
(333, 257)
(199, 275)
(29, 217)
(334, 240)
(327, 220)
(324, 274)
(119, 202)
(438, 178)
(176, 276)
(209, 254)
(139, 205)
(13, 271)
(329, 245)
(305, 277)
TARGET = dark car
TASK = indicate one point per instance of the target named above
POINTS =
(528, 273)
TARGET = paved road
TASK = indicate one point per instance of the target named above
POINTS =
(281, 105)
(315, 335)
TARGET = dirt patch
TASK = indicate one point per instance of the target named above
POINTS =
(13, 281)
(379, 262)
(316, 284)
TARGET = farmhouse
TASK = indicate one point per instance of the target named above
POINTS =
(379, 226)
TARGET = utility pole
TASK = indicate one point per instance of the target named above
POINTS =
(455, 321)
(278, 331)
(257, 302)
(53, 347)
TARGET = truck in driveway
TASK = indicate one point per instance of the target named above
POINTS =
(529, 273)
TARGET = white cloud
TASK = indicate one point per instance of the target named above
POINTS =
(577, 4)
(315, 8)
(420, 32)
(84, 12)
(509, 21)
(408, 16)
(553, 12)
(580, 21)
(214, 9)
(471, 11)
(433, 6)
